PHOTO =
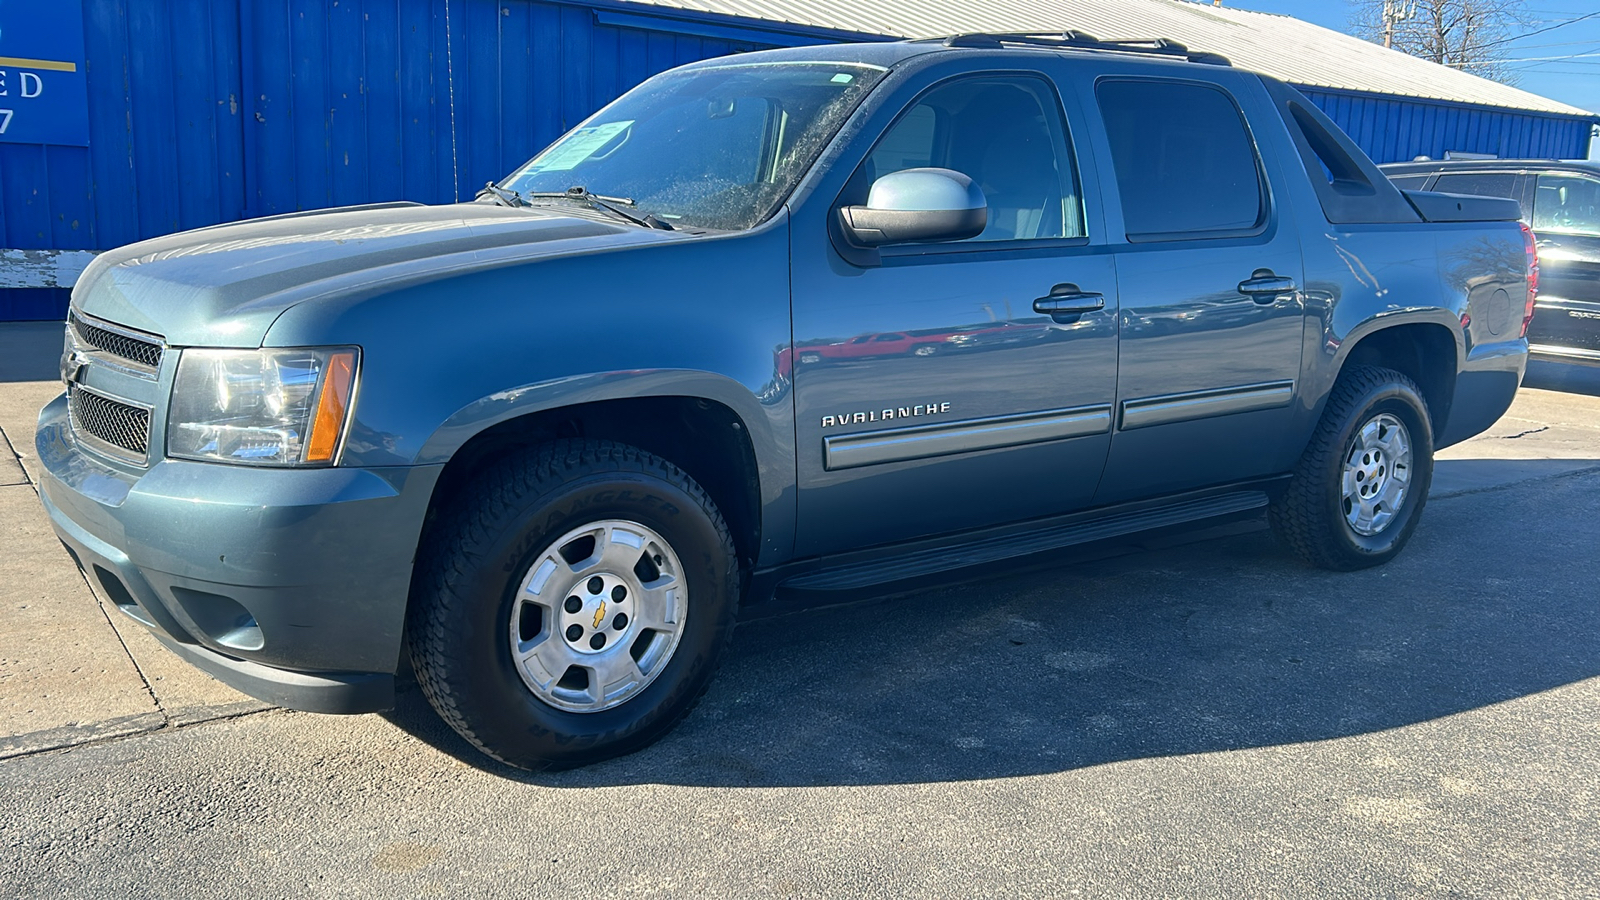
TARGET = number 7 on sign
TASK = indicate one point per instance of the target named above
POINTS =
(5, 119)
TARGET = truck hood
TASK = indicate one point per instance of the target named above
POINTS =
(225, 285)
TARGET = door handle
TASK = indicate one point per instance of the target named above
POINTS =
(1067, 300)
(1265, 286)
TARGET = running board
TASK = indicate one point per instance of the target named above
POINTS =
(1082, 530)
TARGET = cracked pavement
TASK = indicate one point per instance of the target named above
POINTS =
(1194, 718)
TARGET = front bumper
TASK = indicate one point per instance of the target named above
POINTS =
(288, 584)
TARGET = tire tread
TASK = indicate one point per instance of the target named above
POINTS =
(1297, 515)
(453, 547)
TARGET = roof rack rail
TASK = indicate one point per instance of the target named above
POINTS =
(1080, 40)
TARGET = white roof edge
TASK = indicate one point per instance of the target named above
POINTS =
(1274, 44)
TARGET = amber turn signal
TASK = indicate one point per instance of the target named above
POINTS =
(331, 407)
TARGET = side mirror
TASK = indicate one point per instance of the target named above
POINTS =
(917, 205)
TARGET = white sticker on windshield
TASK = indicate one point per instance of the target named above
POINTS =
(843, 78)
(579, 146)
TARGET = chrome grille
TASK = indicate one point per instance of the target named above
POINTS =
(122, 428)
(144, 352)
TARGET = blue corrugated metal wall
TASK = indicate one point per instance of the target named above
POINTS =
(207, 111)
(1395, 129)
(382, 99)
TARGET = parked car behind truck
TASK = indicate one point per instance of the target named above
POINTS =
(1561, 201)
(543, 443)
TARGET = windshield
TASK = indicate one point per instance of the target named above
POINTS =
(713, 147)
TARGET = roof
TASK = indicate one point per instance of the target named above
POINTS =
(1286, 48)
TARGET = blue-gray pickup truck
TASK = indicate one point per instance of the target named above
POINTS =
(769, 328)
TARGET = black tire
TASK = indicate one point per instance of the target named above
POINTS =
(470, 569)
(1309, 514)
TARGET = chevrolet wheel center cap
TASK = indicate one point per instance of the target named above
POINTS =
(597, 613)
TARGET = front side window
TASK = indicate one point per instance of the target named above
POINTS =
(1567, 203)
(1185, 162)
(710, 147)
(1005, 133)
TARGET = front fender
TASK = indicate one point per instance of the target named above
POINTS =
(705, 316)
(502, 406)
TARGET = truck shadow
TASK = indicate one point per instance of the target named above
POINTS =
(1212, 646)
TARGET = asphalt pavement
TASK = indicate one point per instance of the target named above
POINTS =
(1205, 719)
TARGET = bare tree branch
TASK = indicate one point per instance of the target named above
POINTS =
(1470, 35)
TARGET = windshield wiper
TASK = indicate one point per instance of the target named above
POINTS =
(506, 196)
(584, 195)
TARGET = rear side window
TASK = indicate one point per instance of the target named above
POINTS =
(1185, 163)
(1482, 184)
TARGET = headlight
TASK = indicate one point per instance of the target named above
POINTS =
(263, 407)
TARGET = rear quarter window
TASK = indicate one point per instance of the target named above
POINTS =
(1409, 182)
(1482, 184)
(1185, 163)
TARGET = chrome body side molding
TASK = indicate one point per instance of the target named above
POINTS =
(1168, 408)
(867, 448)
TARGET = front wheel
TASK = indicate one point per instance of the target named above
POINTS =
(1359, 489)
(575, 608)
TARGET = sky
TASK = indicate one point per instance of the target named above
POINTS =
(1562, 63)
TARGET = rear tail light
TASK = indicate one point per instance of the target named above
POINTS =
(1531, 248)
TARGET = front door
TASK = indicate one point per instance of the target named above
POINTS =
(1212, 322)
(930, 395)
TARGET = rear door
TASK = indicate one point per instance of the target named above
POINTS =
(1209, 273)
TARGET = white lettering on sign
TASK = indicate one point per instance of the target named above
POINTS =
(3, 89)
(5, 119)
(32, 85)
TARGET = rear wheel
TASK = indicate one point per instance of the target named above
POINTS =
(576, 607)
(1359, 489)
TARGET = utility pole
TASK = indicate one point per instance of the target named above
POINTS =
(1395, 12)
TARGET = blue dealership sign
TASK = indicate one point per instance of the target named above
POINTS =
(44, 93)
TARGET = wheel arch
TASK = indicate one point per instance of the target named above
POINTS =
(722, 440)
(1423, 348)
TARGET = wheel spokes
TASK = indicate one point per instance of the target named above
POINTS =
(1369, 436)
(659, 604)
(545, 660)
(611, 674)
(600, 613)
(1377, 474)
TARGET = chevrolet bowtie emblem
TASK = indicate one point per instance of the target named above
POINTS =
(72, 363)
(600, 614)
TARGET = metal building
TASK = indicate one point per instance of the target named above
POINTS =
(195, 112)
